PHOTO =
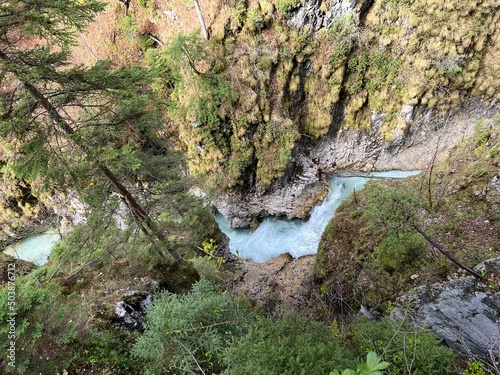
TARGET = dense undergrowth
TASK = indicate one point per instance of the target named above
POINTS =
(204, 331)
(371, 251)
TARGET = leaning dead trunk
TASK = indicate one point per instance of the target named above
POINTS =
(147, 225)
(200, 17)
(470, 271)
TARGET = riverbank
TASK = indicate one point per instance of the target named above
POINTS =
(30, 227)
(275, 236)
(280, 286)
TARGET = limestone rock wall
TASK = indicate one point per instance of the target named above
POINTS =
(463, 312)
(367, 85)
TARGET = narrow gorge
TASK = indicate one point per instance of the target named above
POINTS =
(203, 167)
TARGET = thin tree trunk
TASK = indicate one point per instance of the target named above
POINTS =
(200, 17)
(147, 225)
(448, 255)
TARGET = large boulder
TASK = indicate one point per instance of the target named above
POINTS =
(464, 312)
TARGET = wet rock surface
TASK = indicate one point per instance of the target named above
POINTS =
(280, 285)
(284, 198)
(131, 311)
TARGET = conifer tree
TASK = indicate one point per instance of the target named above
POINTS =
(74, 125)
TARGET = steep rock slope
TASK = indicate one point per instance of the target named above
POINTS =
(463, 312)
(284, 90)
(325, 85)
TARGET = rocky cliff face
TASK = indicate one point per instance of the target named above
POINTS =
(427, 135)
(374, 86)
(463, 312)
(310, 14)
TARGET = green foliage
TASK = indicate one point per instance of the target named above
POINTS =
(99, 245)
(275, 142)
(128, 25)
(255, 19)
(494, 152)
(210, 265)
(106, 351)
(209, 248)
(372, 366)
(105, 122)
(385, 68)
(482, 133)
(344, 34)
(55, 21)
(357, 66)
(397, 250)
(189, 333)
(295, 345)
(185, 52)
(371, 70)
(409, 349)
(201, 99)
(285, 6)
(390, 213)
(238, 17)
(390, 210)
(44, 318)
(474, 368)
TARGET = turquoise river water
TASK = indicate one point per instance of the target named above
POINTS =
(36, 248)
(276, 236)
(272, 238)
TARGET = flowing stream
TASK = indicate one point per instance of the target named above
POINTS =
(276, 236)
(35, 249)
(272, 238)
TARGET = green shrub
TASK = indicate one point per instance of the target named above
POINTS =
(409, 349)
(295, 345)
(44, 321)
(475, 368)
(128, 25)
(390, 210)
(188, 333)
(396, 250)
(285, 6)
(371, 367)
(344, 32)
(107, 351)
